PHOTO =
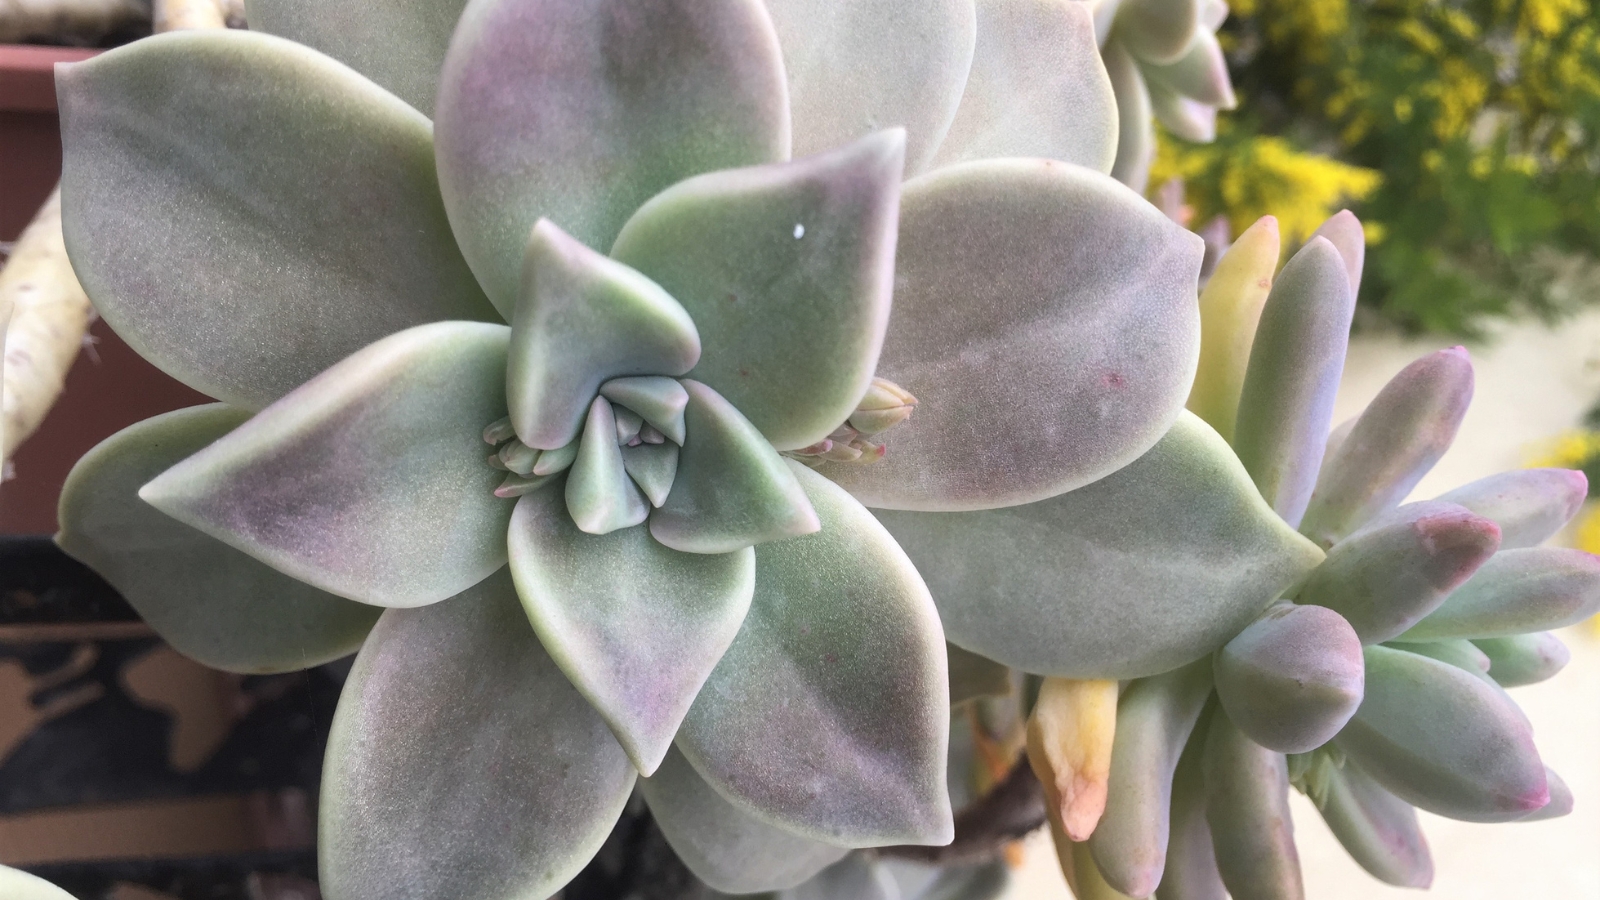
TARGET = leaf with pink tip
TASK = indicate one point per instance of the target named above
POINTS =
(579, 111)
(1377, 829)
(368, 481)
(1045, 318)
(1529, 505)
(865, 65)
(461, 763)
(246, 212)
(1145, 570)
(208, 600)
(1292, 679)
(829, 716)
(1037, 88)
(1518, 591)
(1395, 442)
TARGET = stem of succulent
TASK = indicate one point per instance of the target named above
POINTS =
(1014, 809)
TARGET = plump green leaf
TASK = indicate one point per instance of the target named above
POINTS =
(601, 498)
(1230, 307)
(203, 597)
(246, 212)
(1191, 866)
(653, 467)
(368, 481)
(1247, 807)
(1136, 133)
(18, 885)
(1462, 654)
(581, 110)
(1154, 719)
(1293, 678)
(856, 877)
(461, 763)
(1521, 659)
(1516, 592)
(731, 489)
(723, 845)
(1529, 505)
(1561, 800)
(868, 64)
(1037, 88)
(1377, 829)
(400, 44)
(1045, 317)
(1156, 31)
(1395, 442)
(581, 320)
(636, 626)
(788, 270)
(1286, 406)
(1200, 74)
(1145, 570)
(1443, 740)
(659, 401)
(1387, 577)
(829, 715)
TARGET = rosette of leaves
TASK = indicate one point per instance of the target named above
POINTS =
(1166, 66)
(691, 214)
(1377, 685)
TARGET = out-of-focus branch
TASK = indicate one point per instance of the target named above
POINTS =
(1013, 810)
(77, 22)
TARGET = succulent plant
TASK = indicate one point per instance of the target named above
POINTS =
(1166, 66)
(1376, 683)
(688, 302)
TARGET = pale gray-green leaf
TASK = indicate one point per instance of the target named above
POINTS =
(1444, 740)
(461, 763)
(1529, 505)
(1522, 659)
(600, 496)
(856, 877)
(1293, 678)
(1247, 807)
(731, 489)
(830, 713)
(1156, 31)
(653, 467)
(203, 597)
(788, 270)
(581, 110)
(1191, 866)
(1136, 133)
(1201, 74)
(400, 44)
(582, 319)
(1037, 88)
(973, 676)
(1140, 572)
(1286, 406)
(636, 626)
(1045, 318)
(246, 212)
(1518, 591)
(368, 481)
(861, 66)
(1377, 829)
(723, 845)
(659, 401)
(1344, 231)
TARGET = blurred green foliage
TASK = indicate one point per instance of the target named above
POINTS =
(1465, 132)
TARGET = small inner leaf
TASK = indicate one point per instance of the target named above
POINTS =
(659, 400)
(652, 467)
(600, 495)
(582, 319)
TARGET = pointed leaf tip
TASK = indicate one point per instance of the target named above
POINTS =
(599, 494)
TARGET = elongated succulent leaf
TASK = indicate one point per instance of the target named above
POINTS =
(788, 270)
(1395, 442)
(1191, 866)
(1083, 875)
(1529, 505)
(400, 44)
(1069, 740)
(1462, 654)
(1157, 31)
(1521, 659)
(1516, 592)
(581, 320)
(1037, 88)
(581, 110)
(1247, 807)
(1230, 307)
(1154, 719)
(637, 627)
(731, 490)
(246, 212)
(600, 495)
(1188, 119)
(369, 480)
(1286, 405)
(1143, 571)
(1387, 577)
(1136, 133)
(455, 722)
(982, 881)
(1045, 319)
(1377, 829)
(723, 845)
(1293, 678)
(18, 885)
(861, 66)
(829, 714)
(1443, 740)
(1200, 74)
(203, 597)
(1344, 231)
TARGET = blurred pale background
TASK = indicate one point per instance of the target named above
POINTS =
(1533, 382)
